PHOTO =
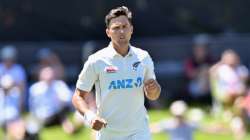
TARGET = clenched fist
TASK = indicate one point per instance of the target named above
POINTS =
(98, 123)
(152, 89)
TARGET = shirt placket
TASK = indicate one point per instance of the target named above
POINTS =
(124, 66)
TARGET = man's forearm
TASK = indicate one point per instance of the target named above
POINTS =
(79, 102)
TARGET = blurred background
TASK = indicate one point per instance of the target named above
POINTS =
(200, 50)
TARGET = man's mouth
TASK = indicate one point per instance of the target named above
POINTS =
(122, 37)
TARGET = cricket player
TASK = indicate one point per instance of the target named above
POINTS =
(122, 74)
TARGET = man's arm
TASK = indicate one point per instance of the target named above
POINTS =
(152, 89)
(80, 103)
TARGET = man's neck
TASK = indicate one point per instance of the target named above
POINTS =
(121, 49)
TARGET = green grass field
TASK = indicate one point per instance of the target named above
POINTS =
(56, 133)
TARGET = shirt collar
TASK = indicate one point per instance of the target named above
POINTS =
(113, 52)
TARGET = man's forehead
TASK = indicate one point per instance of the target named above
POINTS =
(119, 21)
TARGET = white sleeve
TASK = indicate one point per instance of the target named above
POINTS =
(149, 74)
(87, 77)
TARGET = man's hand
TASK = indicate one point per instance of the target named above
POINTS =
(151, 85)
(98, 123)
(152, 89)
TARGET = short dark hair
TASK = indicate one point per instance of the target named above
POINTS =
(116, 12)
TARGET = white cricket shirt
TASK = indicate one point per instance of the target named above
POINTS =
(118, 82)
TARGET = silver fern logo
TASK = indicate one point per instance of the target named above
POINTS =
(135, 65)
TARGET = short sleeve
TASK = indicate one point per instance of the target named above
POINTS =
(87, 77)
(149, 74)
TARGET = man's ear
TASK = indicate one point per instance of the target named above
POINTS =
(107, 32)
(132, 29)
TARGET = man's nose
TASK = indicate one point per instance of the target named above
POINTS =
(121, 30)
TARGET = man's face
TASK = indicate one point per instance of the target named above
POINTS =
(8, 62)
(231, 59)
(120, 30)
(200, 53)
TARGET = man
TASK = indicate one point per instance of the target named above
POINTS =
(196, 70)
(122, 74)
(12, 92)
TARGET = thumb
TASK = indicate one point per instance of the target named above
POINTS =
(104, 122)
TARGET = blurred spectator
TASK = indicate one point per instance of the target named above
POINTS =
(228, 82)
(47, 57)
(49, 102)
(228, 78)
(177, 127)
(196, 70)
(181, 128)
(12, 87)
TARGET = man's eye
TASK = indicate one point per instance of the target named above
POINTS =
(115, 28)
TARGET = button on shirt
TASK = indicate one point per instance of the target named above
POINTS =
(118, 82)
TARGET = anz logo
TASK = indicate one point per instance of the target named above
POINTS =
(125, 83)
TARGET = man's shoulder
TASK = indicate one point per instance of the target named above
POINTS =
(139, 51)
(100, 54)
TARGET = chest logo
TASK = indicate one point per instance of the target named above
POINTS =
(135, 65)
(125, 83)
(111, 69)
